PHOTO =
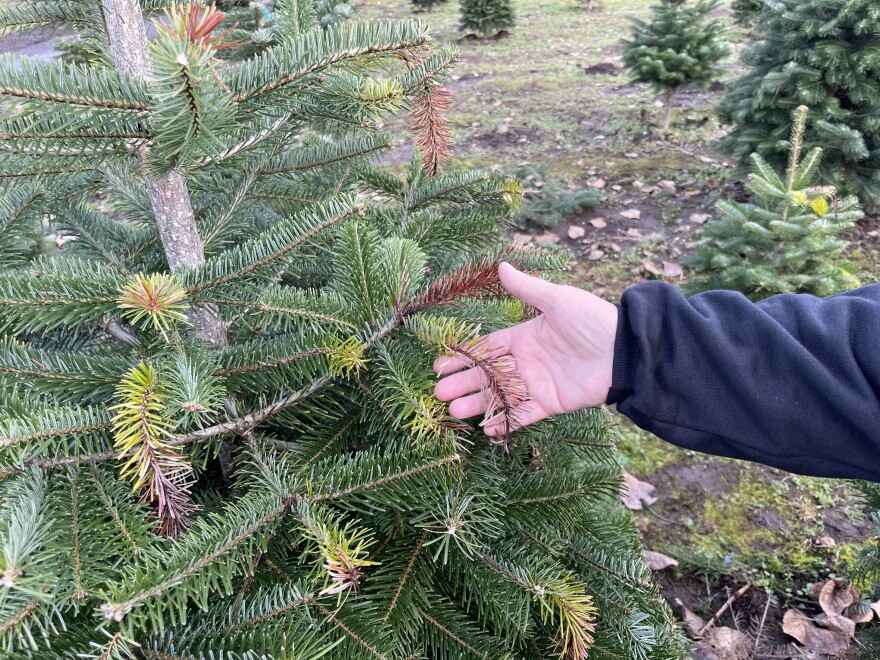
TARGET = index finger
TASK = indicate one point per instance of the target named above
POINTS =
(497, 343)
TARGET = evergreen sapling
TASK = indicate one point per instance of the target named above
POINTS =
(218, 434)
(822, 54)
(747, 12)
(486, 18)
(785, 242)
(677, 48)
(426, 5)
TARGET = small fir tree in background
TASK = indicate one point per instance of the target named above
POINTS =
(426, 5)
(546, 200)
(679, 47)
(218, 437)
(747, 12)
(823, 54)
(785, 242)
(486, 17)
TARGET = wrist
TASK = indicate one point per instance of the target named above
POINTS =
(625, 359)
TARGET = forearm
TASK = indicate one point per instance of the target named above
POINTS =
(792, 382)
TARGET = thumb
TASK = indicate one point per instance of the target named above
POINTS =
(531, 290)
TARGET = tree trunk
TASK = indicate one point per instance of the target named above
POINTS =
(667, 120)
(124, 22)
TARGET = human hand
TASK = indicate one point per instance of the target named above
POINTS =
(564, 356)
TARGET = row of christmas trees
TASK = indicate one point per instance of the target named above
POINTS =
(817, 53)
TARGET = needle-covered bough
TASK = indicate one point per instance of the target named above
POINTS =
(218, 437)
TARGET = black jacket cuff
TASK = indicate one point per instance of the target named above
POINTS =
(626, 359)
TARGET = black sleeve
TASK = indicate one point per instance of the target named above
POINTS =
(792, 381)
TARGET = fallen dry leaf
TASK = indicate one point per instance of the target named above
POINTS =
(598, 184)
(633, 232)
(825, 542)
(724, 643)
(812, 637)
(575, 232)
(668, 186)
(672, 269)
(853, 614)
(595, 254)
(599, 223)
(637, 494)
(837, 623)
(631, 214)
(547, 238)
(699, 218)
(835, 596)
(706, 159)
(693, 623)
(650, 267)
(522, 239)
(657, 561)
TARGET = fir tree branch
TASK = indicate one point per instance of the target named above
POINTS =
(340, 155)
(237, 426)
(104, 89)
(20, 616)
(112, 609)
(348, 631)
(115, 648)
(275, 613)
(272, 364)
(252, 141)
(80, 591)
(316, 50)
(25, 174)
(406, 573)
(113, 510)
(451, 635)
(272, 309)
(330, 442)
(378, 483)
(430, 119)
(10, 440)
(604, 569)
(280, 252)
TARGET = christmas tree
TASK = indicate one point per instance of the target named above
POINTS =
(819, 53)
(786, 242)
(746, 12)
(677, 48)
(218, 437)
(426, 5)
(486, 17)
